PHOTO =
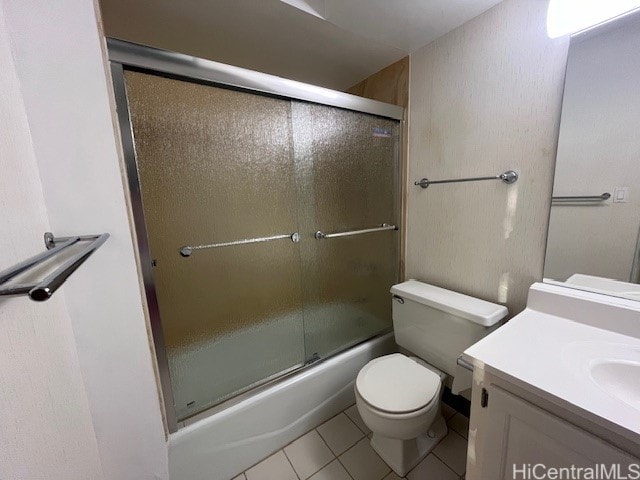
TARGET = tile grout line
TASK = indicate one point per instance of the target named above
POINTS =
(451, 430)
(345, 468)
(345, 412)
(351, 420)
(454, 430)
(289, 460)
(336, 415)
(364, 435)
(353, 446)
(323, 440)
(272, 454)
(446, 464)
(458, 434)
(336, 456)
(259, 462)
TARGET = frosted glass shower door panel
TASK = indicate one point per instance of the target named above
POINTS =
(216, 166)
(347, 166)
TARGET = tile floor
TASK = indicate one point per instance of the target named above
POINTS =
(339, 449)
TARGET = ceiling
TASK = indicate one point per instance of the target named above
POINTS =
(332, 43)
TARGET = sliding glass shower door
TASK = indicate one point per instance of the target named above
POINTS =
(346, 171)
(216, 166)
(234, 188)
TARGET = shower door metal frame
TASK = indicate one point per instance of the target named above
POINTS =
(125, 55)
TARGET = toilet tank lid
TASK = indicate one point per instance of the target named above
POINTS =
(471, 308)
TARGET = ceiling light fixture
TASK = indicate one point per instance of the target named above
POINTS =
(566, 17)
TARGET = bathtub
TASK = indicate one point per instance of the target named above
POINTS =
(222, 445)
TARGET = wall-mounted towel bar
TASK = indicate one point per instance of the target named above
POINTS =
(385, 226)
(186, 251)
(582, 198)
(507, 177)
(43, 289)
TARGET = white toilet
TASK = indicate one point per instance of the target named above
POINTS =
(398, 396)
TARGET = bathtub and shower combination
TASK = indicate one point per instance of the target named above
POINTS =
(267, 217)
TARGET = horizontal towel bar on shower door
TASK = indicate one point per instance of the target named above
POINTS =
(186, 251)
(583, 198)
(507, 177)
(385, 226)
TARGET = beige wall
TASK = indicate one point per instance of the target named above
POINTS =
(597, 152)
(484, 98)
(389, 85)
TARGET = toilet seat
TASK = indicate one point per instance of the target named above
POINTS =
(397, 384)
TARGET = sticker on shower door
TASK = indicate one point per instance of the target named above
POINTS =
(381, 132)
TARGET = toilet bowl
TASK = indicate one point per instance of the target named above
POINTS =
(397, 396)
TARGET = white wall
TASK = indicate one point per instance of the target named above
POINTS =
(598, 150)
(45, 424)
(484, 98)
(61, 69)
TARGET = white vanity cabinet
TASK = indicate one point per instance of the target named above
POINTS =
(512, 438)
(547, 389)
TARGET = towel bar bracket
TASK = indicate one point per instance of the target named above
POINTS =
(51, 241)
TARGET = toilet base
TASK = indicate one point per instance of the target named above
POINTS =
(403, 455)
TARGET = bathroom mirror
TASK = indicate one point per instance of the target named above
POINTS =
(595, 212)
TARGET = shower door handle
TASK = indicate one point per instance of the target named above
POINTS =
(385, 226)
(186, 251)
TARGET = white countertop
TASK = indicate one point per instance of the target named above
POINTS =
(546, 353)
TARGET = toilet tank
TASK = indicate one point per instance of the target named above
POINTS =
(437, 325)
